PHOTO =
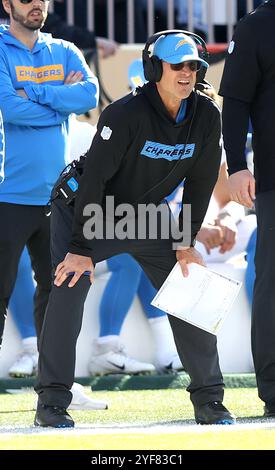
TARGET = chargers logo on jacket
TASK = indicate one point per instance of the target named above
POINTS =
(39, 74)
(168, 152)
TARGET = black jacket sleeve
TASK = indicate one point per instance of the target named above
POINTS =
(242, 72)
(102, 162)
(200, 182)
(235, 115)
(82, 38)
(240, 81)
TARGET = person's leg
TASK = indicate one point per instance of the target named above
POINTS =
(125, 277)
(197, 349)
(57, 346)
(263, 308)
(21, 302)
(64, 336)
(39, 249)
(108, 353)
(62, 320)
(13, 235)
(146, 293)
(166, 355)
(62, 325)
(21, 306)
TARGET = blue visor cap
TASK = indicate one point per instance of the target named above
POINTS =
(176, 48)
(136, 74)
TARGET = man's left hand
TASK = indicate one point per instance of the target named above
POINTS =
(229, 230)
(187, 255)
(73, 77)
(21, 92)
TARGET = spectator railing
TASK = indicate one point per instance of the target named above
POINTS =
(214, 12)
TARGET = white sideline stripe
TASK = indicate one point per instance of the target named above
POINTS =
(83, 429)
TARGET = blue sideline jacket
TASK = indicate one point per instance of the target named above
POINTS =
(36, 130)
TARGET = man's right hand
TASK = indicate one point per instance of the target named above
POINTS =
(73, 77)
(187, 255)
(242, 188)
(76, 265)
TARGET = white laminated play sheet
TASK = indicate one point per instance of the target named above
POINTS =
(203, 299)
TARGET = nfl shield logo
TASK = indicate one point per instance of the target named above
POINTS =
(106, 133)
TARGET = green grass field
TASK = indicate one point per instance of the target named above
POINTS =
(100, 430)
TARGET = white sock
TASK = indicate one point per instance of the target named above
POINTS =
(104, 344)
(30, 344)
(107, 339)
(165, 349)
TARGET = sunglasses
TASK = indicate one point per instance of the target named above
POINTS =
(193, 65)
(26, 2)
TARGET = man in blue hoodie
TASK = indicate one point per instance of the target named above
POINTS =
(42, 81)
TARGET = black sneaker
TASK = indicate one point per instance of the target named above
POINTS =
(53, 416)
(269, 411)
(213, 413)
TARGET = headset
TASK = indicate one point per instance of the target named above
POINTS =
(153, 65)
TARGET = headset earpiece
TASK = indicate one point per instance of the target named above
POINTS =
(152, 65)
(201, 74)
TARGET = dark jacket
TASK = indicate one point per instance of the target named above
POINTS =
(136, 146)
(81, 37)
(248, 88)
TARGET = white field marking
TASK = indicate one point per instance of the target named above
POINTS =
(248, 424)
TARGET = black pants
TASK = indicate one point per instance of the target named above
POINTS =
(197, 349)
(263, 313)
(24, 225)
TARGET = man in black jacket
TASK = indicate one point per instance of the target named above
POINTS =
(146, 144)
(248, 88)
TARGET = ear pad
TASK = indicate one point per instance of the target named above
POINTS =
(201, 74)
(152, 67)
(157, 68)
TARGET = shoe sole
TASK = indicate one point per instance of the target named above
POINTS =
(63, 426)
(220, 422)
(17, 375)
(165, 371)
